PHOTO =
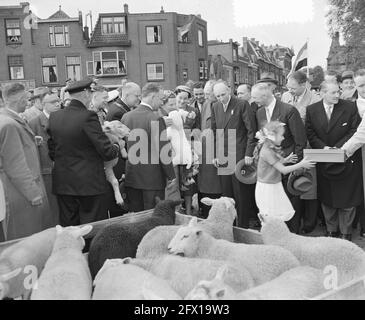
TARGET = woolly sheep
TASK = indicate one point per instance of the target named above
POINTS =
(264, 263)
(296, 284)
(121, 240)
(320, 253)
(219, 224)
(119, 281)
(183, 274)
(66, 275)
(19, 259)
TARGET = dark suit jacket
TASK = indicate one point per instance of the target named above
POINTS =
(295, 139)
(117, 110)
(344, 193)
(79, 148)
(144, 174)
(238, 117)
(198, 119)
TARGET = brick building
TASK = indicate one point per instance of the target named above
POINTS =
(283, 57)
(164, 47)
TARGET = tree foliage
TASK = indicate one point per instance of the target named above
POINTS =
(318, 76)
(348, 18)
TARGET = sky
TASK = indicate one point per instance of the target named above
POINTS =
(285, 22)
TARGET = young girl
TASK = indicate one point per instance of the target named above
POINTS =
(271, 198)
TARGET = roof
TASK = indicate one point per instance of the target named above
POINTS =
(59, 15)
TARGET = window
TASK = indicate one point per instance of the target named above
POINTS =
(153, 34)
(185, 74)
(203, 70)
(200, 38)
(59, 36)
(16, 69)
(113, 25)
(49, 70)
(236, 75)
(108, 63)
(13, 31)
(155, 71)
(235, 54)
(73, 68)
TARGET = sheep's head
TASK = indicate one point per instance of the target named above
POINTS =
(76, 232)
(166, 208)
(116, 128)
(186, 241)
(4, 285)
(215, 289)
(222, 209)
(272, 229)
(109, 263)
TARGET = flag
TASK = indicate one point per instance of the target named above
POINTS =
(301, 59)
(184, 30)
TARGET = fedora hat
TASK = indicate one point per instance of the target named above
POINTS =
(336, 171)
(246, 174)
(268, 77)
(300, 182)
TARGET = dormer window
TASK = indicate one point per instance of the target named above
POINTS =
(113, 25)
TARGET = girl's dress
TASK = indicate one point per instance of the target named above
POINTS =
(271, 198)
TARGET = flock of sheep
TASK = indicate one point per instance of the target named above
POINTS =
(154, 259)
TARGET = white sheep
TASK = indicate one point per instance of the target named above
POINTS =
(219, 224)
(264, 263)
(23, 260)
(66, 275)
(344, 257)
(119, 281)
(184, 274)
(300, 283)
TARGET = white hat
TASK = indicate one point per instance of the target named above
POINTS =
(112, 95)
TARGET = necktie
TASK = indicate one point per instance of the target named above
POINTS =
(268, 115)
(295, 100)
(329, 112)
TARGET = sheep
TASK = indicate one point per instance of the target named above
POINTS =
(183, 274)
(19, 260)
(120, 240)
(321, 253)
(119, 281)
(219, 224)
(115, 131)
(300, 283)
(264, 263)
(66, 275)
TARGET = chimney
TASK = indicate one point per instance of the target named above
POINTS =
(253, 40)
(80, 18)
(126, 10)
(86, 33)
(245, 45)
(199, 16)
(162, 10)
(230, 40)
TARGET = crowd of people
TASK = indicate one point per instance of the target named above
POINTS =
(53, 150)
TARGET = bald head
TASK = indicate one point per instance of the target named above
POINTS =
(262, 94)
(222, 92)
(131, 94)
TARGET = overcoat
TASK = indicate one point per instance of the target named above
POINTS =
(346, 192)
(20, 174)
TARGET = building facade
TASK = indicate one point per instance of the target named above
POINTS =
(167, 48)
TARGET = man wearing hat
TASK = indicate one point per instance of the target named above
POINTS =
(37, 100)
(348, 86)
(269, 79)
(79, 148)
(331, 123)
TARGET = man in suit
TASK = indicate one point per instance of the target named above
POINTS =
(27, 205)
(331, 123)
(199, 96)
(300, 96)
(295, 139)
(37, 104)
(79, 148)
(149, 164)
(39, 125)
(233, 123)
(129, 98)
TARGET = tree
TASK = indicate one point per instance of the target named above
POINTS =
(318, 76)
(348, 18)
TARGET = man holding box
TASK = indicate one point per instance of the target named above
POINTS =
(330, 123)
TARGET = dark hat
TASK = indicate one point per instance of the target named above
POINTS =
(246, 174)
(268, 77)
(347, 75)
(336, 171)
(300, 182)
(78, 86)
(39, 92)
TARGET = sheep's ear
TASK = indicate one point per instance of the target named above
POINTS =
(59, 229)
(10, 275)
(221, 293)
(207, 201)
(85, 230)
(221, 272)
(193, 222)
